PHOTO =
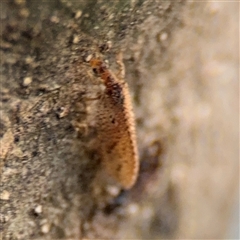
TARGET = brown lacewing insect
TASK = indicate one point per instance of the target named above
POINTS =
(116, 127)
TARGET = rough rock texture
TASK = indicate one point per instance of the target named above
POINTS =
(182, 69)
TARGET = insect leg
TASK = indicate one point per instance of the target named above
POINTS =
(119, 60)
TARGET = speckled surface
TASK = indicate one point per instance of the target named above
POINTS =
(183, 76)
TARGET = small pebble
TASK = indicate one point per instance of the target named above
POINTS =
(38, 209)
(54, 19)
(4, 195)
(27, 81)
(75, 39)
(45, 228)
(132, 208)
(29, 60)
(78, 14)
(163, 36)
(113, 190)
(88, 58)
(20, 2)
(24, 12)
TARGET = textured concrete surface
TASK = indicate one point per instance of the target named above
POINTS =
(182, 68)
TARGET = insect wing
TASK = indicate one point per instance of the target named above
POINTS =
(118, 141)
